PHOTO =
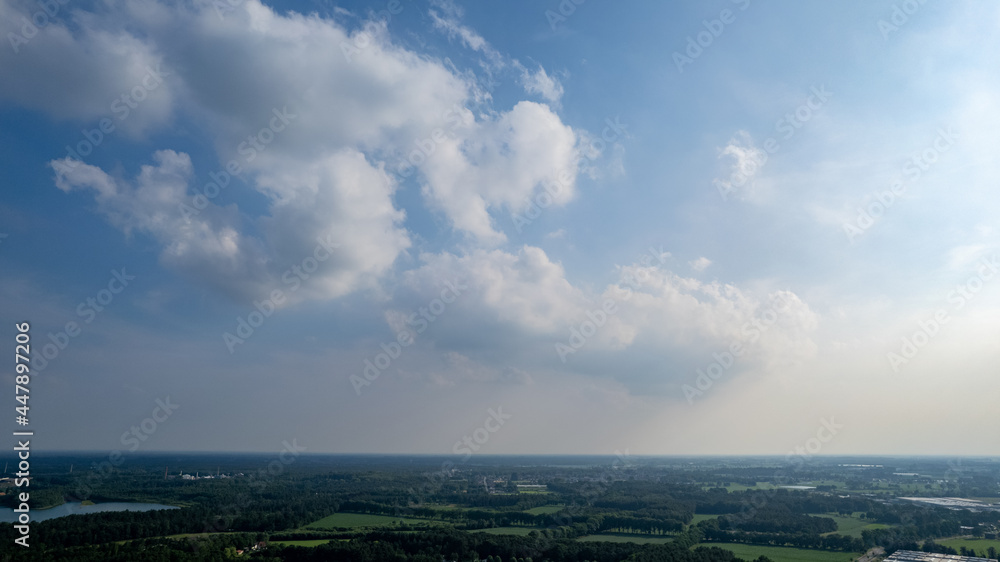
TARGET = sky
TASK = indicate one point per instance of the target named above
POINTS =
(525, 227)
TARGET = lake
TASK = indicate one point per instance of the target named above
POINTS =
(7, 514)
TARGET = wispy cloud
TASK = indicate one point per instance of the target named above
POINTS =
(700, 264)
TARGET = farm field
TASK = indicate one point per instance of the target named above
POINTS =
(839, 484)
(303, 543)
(532, 489)
(744, 487)
(783, 554)
(196, 535)
(614, 537)
(851, 526)
(442, 507)
(520, 531)
(979, 545)
(545, 509)
(356, 520)
(699, 517)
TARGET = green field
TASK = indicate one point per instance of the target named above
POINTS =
(197, 535)
(839, 484)
(979, 545)
(616, 537)
(699, 517)
(851, 526)
(302, 543)
(442, 507)
(522, 531)
(355, 520)
(545, 509)
(783, 554)
(744, 487)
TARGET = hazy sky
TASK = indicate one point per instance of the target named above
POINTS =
(722, 227)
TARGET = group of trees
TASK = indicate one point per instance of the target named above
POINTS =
(213, 548)
(777, 519)
(454, 545)
(764, 531)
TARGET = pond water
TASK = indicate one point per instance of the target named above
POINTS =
(7, 514)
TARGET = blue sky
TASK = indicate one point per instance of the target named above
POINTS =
(704, 228)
